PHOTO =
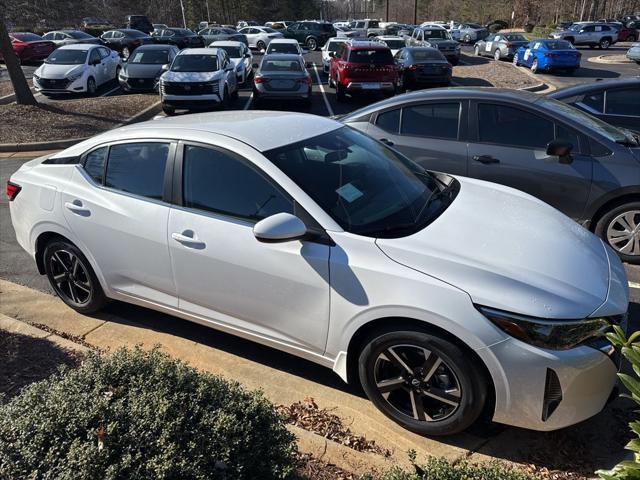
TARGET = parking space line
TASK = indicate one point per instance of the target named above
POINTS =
(106, 94)
(248, 104)
(324, 95)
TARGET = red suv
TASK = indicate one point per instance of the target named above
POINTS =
(362, 67)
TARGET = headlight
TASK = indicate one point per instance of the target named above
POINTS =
(551, 334)
(122, 75)
(73, 77)
(36, 77)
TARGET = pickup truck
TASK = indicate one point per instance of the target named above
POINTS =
(367, 28)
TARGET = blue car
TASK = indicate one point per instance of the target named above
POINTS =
(546, 55)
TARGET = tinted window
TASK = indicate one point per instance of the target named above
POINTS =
(624, 102)
(94, 164)
(389, 121)
(594, 101)
(137, 168)
(94, 56)
(195, 63)
(281, 66)
(26, 37)
(568, 135)
(217, 182)
(424, 55)
(512, 126)
(282, 48)
(374, 57)
(437, 120)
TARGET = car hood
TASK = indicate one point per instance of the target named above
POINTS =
(47, 70)
(139, 70)
(510, 251)
(190, 76)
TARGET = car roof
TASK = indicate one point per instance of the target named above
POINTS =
(155, 46)
(262, 130)
(225, 43)
(284, 40)
(389, 37)
(432, 26)
(420, 49)
(594, 87)
(366, 45)
(79, 46)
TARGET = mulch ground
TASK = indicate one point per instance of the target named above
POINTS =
(486, 72)
(68, 118)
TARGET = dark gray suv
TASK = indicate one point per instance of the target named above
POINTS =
(583, 166)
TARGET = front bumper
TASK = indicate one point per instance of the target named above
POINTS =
(302, 93)
(138, 84)
(191, 101)
(60, 86)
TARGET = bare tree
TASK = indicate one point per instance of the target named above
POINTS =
(24, 96)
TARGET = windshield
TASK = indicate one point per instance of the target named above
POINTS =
(233, 52)
(515, 37)
(333, 46)
(394, 44)
(282, 48)
(575, 28)
(67, 57)
(195, 63)
(422, 55)
(578, 117)
(79, 35)
(281, 66)
(150, 57)
(366, 187)
(26, 37)
(372, 57)
(429, 34)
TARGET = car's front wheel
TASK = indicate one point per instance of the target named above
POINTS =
(72, 277)
(476, 51)
(516, 62)
(496, 55)
(91, 86)
(620, 228)
(605, 43)
(125, 53)
(261, 45)
(423, 382)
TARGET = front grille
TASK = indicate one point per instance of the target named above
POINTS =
(552, 394)
(142, 83)
(189, 88)
(57, 84)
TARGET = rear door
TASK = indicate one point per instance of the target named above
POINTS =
(96, 67)
(508, 146)
(430, 134)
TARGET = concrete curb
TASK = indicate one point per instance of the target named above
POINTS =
(7, 99)
(542, 87)
(603, 59)
(145, 114)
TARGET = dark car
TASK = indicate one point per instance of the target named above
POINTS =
(399, 29)
(577, 163)
(616, 102)
(125, 40)
(30, 47)
(69, 37)
(180, 37)
(311, 34)
(139, 22)
(422, 66)
(218, 33)
(144, 67)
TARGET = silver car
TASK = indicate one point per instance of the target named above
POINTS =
(216, 34)
(634, 53)
(588, 34)
(260, 37)
(500, 45)
(282, 76)
(145, 66)
(469, 32)
(70, 37)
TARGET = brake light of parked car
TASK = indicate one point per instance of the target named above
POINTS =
(12, 191)
(261, 79)
(551, 54)
(413, 68)
(306, 80)
(509, 45)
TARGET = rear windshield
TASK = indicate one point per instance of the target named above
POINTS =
(26, 37)
(559, 45)
(333, 46)
(281, 66)
(436, 33)
(327, 27)
(423, 55)
(394, 44)
(282, 48)
(233, 52)
(67, 57)
(373, 57)
(195, 63)
(150, 57)
(79, 35)
(515, 37)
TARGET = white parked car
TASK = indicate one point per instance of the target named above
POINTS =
(286, 46)
(394, 42)
(331, 46)
(444, 297)
(77, 68)
(259, 37)
(198, 78)
(240, 55)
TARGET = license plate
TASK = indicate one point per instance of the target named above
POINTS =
(371, 86)
(281, 84)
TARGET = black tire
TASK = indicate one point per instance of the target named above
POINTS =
(168, 110)
(92, 88)
(341, 95)
(570, 40)
(458, 380)
(234, 95)
(261, 45)
(534, 66)
(605, 43)
(312, 44)
(476, 51)
(454, 61)
(610, 221)
(126, 52)
(80, 288)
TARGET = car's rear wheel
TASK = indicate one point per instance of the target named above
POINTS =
(605, 43)
(261, 45)
(620, 228)
(476, 51)
(516, 62)
(423, 382)
(72, 277)
(496, 55)
(534, 66)
(91, 86)
(312, 44)
(126, 52)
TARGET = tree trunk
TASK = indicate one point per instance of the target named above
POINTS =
(20, 85)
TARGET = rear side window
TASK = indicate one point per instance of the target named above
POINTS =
(138, 168)
(594, 101)
(389, 121)
(624, 102)
(436, 120)
(568, 135)
(510, 126)
(218, 182)
(94, 164)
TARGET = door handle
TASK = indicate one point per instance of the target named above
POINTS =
(386, 141)
(187, 241)
(486, 159)
(76, 207)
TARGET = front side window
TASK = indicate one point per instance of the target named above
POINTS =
(434, 120)
(595, 101)
(218, 182)
(94, 56)
(138, 168)
(624, 102)
(510, 126)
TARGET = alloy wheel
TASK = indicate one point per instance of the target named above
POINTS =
(496, 55)
(312, 44)
(515, 60)
(417, 383)
(604, 44)
(623, 233)
(91, 86)
(476, 51)
(70, 277)
(126, 53)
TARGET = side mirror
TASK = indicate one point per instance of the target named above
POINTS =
(560, 149)
(247, 55)
(165, 67)
(262, 51)
(281, 227)
(332, 54)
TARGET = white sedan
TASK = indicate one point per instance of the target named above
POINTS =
(240, 55)
(443, 297)
(77, 68)
(260, 37)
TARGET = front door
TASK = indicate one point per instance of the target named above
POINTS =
(509, 148)
(224, 274)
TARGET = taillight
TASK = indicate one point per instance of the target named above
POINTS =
(306, 80)
(551, 54)
(12, 191)
(261, 79)
(509, 44)
(413, 68)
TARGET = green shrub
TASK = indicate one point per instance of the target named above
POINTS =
(141, 415)
(630, 349)
(442, 469)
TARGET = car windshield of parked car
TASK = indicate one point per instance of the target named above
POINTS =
(149, 57)
(26, 37)
(576, 27)
(436, 34)
(67, 57)
(560, 45)
(282, 48)
(269, 30)
(395, 44)
(473, 25)
(376, 56)
(195, 63)
(281, 66)
(426, 55)
(366, 187)
(515, 37)
(232, 52)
